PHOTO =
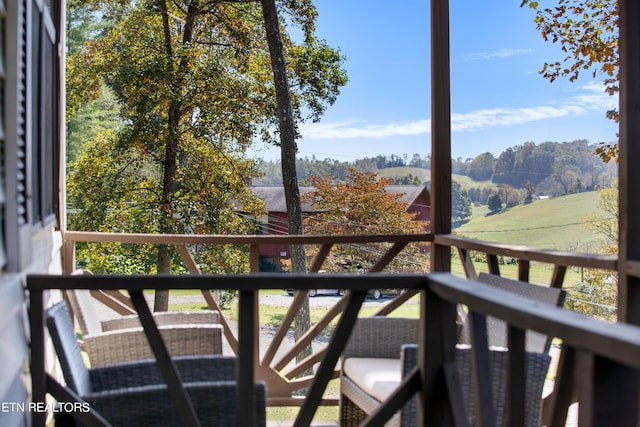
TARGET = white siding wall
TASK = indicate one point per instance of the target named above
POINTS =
(14, 380)
(29, 242)
(13, 354)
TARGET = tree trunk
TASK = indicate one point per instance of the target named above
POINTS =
(161, 299)
(161, 302)
(170, 164)
(288, 151)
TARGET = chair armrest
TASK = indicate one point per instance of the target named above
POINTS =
(131, 344)
(381, 337)
(409, 358)
(146, 372)
(208, 317)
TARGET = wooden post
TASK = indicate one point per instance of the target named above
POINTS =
(254, 258)
(38, 375)
(629, 205)
(247, 359)
(436, 351)
(440, 133)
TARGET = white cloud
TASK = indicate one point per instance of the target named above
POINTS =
(502, 53)
(591, 98)
(353, 130)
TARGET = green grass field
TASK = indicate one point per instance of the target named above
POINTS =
(555, 223)
(271, 315)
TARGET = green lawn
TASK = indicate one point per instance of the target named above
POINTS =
(539, 273)
(555, 223)
(271, 315)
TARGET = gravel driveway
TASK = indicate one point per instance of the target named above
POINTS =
(284, 300)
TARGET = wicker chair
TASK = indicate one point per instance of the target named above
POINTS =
(537, 365)
(376, 343)
(497, 329)
(121, 339)
(373, 340)
(134, 393)
(124, 345)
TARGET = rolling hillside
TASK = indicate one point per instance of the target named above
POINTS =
(555, 223)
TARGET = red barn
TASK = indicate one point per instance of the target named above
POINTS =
(275, 222)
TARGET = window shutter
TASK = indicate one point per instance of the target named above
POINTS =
(21, 140)
(31, 124)
(3, 141)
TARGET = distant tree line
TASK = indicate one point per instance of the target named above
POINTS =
(312, 166)
(518, 175)
(550, 168)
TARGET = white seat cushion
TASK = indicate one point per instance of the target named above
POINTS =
(377, 377)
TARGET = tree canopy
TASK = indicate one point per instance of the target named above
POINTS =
(460, 203)
(361, 205)
(194, 88)
(587, 31)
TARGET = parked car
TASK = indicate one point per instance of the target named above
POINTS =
(379, 293)
(314, 292)
(373, 293)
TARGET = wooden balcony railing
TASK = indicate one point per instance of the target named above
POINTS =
(599, 359)
(248, 286)
(283, 379)
(523, 257)
(180, 241)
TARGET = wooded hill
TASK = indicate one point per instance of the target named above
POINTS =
(550, 168)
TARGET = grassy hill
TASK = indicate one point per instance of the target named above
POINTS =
(555, 223)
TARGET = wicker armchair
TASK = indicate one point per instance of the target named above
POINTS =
(374, 348)
(124, 345)
(537, 365)
(373, 341)
(134, 393)
(109, 340)
(497, 329)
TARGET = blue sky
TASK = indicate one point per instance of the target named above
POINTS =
(498, 98)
